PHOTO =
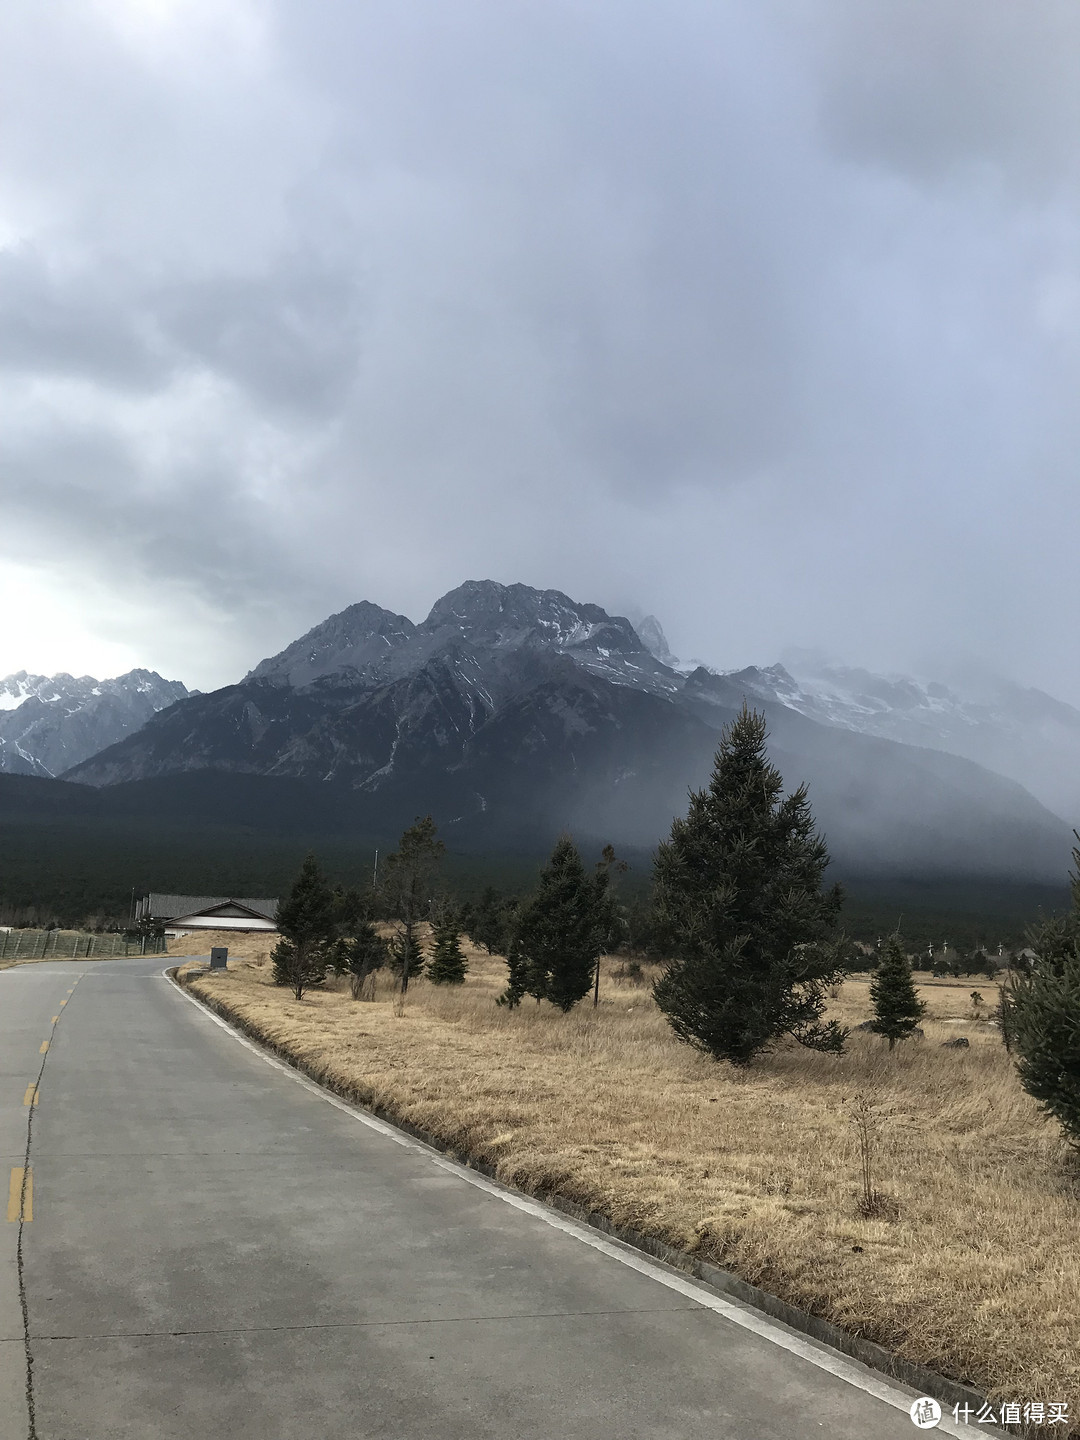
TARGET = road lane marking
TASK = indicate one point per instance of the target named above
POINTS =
(31, 1096)
(55, 1019)
(44, 1047)
(20, 1205)
(62, 1004)
(832, 1362)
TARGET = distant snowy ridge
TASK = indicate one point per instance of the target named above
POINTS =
(50, 722)
(1019, 732)
(1022, 733)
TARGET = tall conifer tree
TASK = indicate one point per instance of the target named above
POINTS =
(560, 933)
(307, 921)
(487, 922)
(739, 900)
(408, 893)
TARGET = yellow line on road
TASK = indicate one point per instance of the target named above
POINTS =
(55, 1018)
(14, 1204)
(62, 1004)
(44, 1047)
(31, 1096)
(20, 1205)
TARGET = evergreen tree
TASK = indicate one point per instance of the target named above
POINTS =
(146, 932)
(519, 979)
(407, 958)
(739, 900)
(611, 916)
(989, 965)
(486, 923)
(448, 965)
(360, 955)
(408, 893)
(561, 931)
(939, 966)
(1042, 1011)
(644, 937)
(897, 1007)
(307, 921)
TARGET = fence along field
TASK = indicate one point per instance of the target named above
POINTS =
(74, 945)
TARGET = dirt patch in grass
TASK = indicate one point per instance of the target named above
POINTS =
(972, 1264)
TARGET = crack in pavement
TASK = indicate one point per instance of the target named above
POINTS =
(372, 1324)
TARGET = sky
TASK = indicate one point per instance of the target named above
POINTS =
(762, 317)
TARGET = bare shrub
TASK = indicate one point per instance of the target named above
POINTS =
(874, 1204)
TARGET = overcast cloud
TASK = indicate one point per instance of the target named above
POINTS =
(761, 316)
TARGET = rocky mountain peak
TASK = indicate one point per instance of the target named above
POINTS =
(769, 682)
(485, 613)
(360, 638)
(21, 686)
(655, 641)
(365, 644)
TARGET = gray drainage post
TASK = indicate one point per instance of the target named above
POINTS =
(219, 956)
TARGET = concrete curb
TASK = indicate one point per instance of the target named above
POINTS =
(876, 1357)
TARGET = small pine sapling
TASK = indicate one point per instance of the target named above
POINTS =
(448, 965)
(897, 1007)
(359, 956)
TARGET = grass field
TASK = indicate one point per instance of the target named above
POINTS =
(971, 1266)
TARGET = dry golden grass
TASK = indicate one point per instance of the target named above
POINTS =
(254, 946)
(977, 1273)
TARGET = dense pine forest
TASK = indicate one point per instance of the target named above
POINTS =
(79, 871)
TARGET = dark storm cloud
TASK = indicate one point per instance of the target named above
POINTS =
(761, 317)
(289, 338)
(55, 325)
(932, 90)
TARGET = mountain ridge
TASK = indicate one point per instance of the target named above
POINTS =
(514, 711)
(1017, 731)
(48, 723)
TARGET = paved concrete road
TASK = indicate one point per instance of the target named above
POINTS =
(218, 1252)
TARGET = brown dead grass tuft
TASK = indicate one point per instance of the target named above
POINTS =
(969, 1264)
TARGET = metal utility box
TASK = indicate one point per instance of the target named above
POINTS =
(219, 956)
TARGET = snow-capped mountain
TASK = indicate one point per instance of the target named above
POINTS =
(511, 713)
(1022, 733)
(369, 644)
(50, 722)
